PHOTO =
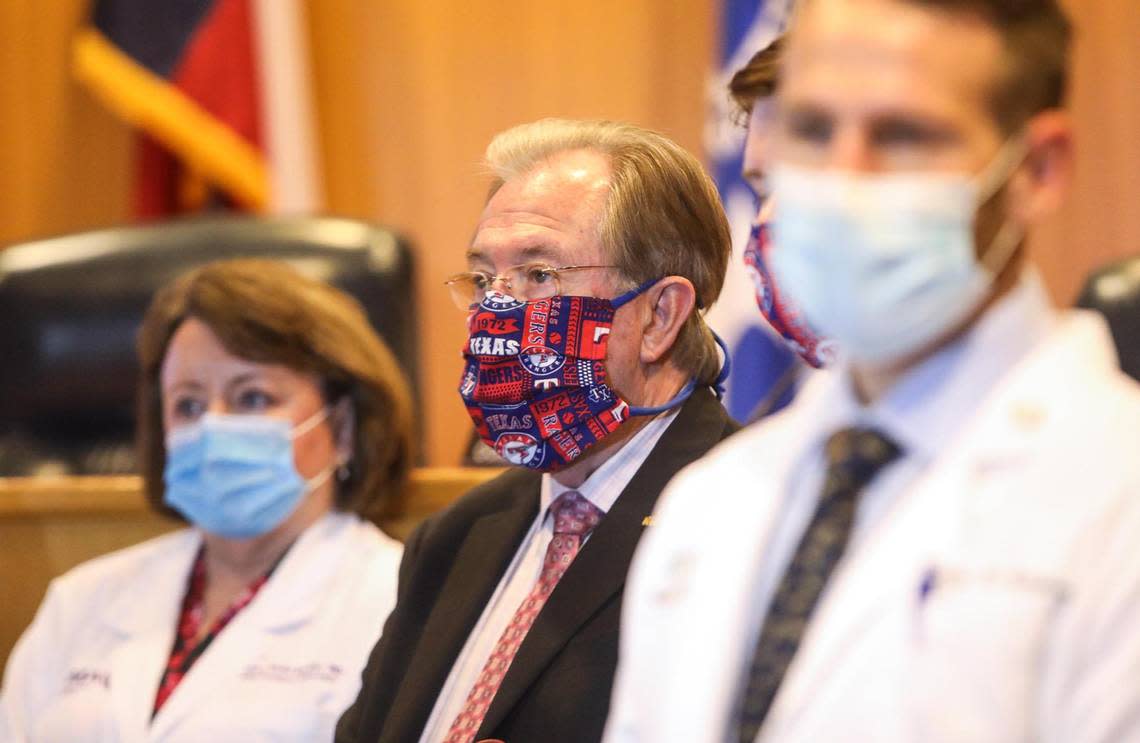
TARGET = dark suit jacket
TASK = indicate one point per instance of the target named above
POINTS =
(558, 686)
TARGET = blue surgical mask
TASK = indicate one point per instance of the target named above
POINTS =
(886, 264)
(233, 475)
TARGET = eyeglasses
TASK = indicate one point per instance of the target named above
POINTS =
(524, 282)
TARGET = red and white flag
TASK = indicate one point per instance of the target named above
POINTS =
(220, 94)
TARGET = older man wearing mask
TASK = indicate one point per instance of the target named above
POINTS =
(937, 540)
(589, 366)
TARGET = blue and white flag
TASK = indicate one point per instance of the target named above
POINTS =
(760, 360)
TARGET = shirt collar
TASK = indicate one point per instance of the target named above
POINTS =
(926, 407)
(606, 483)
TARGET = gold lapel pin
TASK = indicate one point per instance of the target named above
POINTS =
(647, 521)
(1028, 416)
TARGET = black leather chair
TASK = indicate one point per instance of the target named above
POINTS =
(70, 307)
(1114, 290)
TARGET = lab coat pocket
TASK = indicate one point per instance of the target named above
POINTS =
(286, 701)
(978, 645)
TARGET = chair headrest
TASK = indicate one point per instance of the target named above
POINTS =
(1114, 290)
(70, 306)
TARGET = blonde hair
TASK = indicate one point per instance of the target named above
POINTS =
(662, 216)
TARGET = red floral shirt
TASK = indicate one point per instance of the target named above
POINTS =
(186, 651)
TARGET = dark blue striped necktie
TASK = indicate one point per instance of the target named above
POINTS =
(854, 457)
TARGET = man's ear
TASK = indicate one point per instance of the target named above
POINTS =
(342, 420)
(1039, 186)
(671, 301)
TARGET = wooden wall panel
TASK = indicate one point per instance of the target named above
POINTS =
(64, 161)
(1102, 219)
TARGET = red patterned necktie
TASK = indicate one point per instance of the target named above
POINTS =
(574, 518)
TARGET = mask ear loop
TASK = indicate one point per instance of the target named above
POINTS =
(1001, 248)
(626, 297)
(309, 423)
(319, 479)
(999, 170)
(722, 377)
(303, 428)
(677, 399)
(997, 174)
(687, 390)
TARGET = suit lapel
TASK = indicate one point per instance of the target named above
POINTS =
(598, 572)
(479, 564)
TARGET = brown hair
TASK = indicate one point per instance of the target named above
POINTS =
(265, 311)
(1037, 36)
(662, 216)
(757, 79)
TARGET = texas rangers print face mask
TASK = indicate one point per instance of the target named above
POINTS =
(535, 382)
(781, 314)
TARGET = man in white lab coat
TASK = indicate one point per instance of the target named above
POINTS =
(940, 539)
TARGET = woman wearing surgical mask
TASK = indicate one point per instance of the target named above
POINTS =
(271, 419)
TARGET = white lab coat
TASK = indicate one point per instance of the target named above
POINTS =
(1028, 526)
(283, 669)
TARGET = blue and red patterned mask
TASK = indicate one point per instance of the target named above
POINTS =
(535, 382)
(781, 314)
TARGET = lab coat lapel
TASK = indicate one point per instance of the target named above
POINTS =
(1073, 361)
(928, 525)
(599, 571)
(136, 667)
(702, 698)
(480, 563)
(216, 670)
(284, 604)
(148, 624)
